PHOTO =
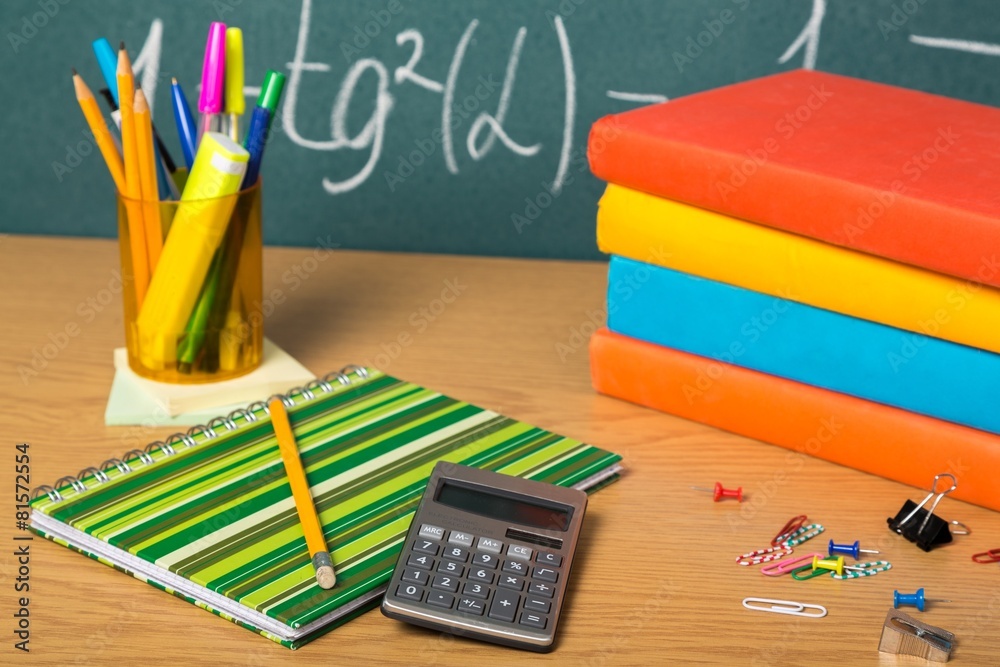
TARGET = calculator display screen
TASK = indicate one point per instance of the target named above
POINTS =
(502, 507)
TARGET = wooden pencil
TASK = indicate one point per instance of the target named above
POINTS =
(311, 526)
(133, 191)
(146, 152)
(102, 136)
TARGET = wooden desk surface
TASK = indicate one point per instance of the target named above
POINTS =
(655, 578)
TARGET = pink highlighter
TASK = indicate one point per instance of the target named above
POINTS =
(213, 74)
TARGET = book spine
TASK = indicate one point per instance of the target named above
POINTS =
(874, 438)
(888, 223)
(799, 342)
(762, 259)
(154, 452)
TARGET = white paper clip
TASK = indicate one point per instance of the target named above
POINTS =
(785, 607)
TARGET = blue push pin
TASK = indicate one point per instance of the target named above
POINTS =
(849, 549)
(915, 600)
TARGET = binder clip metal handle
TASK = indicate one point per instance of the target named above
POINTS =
(904, 635)
(920, 525)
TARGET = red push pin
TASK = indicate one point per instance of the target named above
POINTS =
(719, 492)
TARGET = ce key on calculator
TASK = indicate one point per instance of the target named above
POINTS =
(487, 556)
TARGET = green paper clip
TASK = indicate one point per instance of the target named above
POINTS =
(812, 573)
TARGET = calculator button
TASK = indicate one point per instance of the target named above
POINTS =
(510, 581)
(440, 599)
(471, 606)
(451, 567)
(480, 574)
(504, 606)
(534, 604)
(489, 544)
(431, 532)
(515, 567)
(547, 558)
(425, 546)
(461, 539)
(414, 577)
(487, 560)
(472, 589)
(519, 551)
(424, 562)
(445, 582)
(537, 588)
(545, 574)
(533, 620)
(409, 592)
(455, 553)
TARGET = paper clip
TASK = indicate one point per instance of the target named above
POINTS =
(991, 556)
(787, 565)
(793, 524)
(803, 534)
(863, 570)
(785, 607)
(763, 555)
(812, 574)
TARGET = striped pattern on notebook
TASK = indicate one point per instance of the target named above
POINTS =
(215, 522)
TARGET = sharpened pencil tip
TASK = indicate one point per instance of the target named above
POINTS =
(74, 71)
(121, 45)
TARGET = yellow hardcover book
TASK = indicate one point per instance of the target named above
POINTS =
(763, 259)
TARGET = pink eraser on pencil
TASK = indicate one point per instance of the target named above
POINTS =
(213, 72)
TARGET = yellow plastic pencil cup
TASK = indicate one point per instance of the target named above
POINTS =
(201, 319)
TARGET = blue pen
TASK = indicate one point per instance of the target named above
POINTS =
(107, 58)
(255, 142)
(186, 128)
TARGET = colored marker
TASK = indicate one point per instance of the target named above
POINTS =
(107, 59)
(186, 129)
(213, 72)
(235, 99)
(260, 123)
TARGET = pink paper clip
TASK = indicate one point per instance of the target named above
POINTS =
(787, 565)
(763, 555)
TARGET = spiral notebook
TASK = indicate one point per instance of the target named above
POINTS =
(208, 515)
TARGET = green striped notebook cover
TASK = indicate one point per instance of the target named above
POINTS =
(209, 516)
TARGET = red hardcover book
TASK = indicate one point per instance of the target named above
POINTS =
(897, 173)
(888, 442)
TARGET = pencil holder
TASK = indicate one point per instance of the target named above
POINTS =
(192, 286)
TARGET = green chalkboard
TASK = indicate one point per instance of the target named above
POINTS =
(444, 126)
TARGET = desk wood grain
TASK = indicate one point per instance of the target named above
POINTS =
(656, 578)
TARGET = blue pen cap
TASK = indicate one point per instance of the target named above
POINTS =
(108, 61)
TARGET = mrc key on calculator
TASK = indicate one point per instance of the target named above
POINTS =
(487, 556)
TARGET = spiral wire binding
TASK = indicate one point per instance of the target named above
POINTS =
(127, 463)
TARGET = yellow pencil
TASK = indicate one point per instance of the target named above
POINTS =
(315, 541)
(100, 129)
(147, 180)
(133, 190)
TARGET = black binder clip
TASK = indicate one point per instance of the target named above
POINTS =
(921, 525)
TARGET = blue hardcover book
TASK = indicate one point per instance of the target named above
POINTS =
(773, 335)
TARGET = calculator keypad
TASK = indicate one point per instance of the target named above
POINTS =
(515, 585)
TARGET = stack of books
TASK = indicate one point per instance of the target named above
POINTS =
(812, 261)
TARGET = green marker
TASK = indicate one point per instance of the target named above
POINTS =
(270, 93)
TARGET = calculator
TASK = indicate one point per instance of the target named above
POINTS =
(488, 556)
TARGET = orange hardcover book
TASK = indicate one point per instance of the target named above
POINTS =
(875, 438)
(892, 172)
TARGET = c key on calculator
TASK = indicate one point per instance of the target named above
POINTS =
(488, 556)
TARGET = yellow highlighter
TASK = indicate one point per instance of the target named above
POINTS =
(235, 100)
(197, 230)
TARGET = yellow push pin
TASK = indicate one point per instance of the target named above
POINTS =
(835, 564)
